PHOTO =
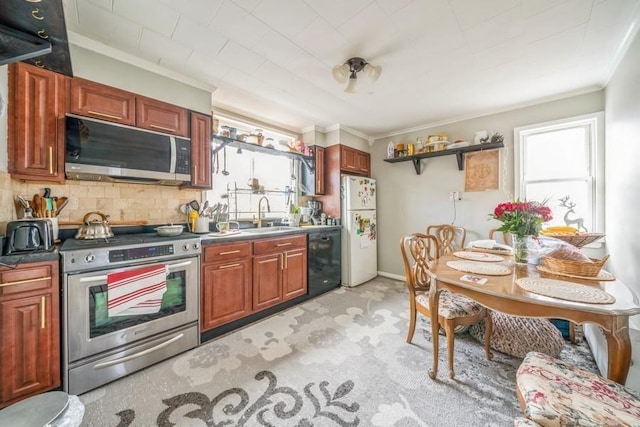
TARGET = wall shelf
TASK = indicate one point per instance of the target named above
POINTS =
(224, 141)
(459, 153)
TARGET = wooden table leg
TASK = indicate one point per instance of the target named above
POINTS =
(434, 300)
(618, 349)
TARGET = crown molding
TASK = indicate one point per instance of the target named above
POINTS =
(97, 47)
(624, 45)
(353, 132)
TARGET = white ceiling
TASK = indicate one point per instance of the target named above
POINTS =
(442, 60)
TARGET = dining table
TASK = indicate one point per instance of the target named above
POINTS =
(530, 290)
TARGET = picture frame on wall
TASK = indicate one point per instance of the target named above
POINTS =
(482, 171)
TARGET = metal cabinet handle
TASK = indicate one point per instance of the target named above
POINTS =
(20, 282)
(50, 160)
(229, 252)
(286, 260)
(110, 116)
(283, 244)
(162, 128)
(281, 261)
(228, 266)
(43, 312)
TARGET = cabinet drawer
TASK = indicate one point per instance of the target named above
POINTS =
(27, 279)
(279, 244)
(224, 252)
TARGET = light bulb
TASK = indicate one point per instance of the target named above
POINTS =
(373, 72)
(341, 72)
(352, 87)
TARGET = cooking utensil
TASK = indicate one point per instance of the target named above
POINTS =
(22, 201)
(195, 205)
(204, 207)
(225, 172)
(60, 204)
(38, 206)
(217, 162)
(95, 229)
(169, 230)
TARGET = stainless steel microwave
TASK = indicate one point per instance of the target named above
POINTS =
(103, 151)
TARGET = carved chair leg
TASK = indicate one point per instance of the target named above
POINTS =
(412, 320)
(449, 330)
(572, 332)
(488, 331)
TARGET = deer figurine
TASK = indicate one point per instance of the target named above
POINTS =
(578, 222)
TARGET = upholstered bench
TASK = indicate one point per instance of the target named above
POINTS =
(556, 393)
(517, 336)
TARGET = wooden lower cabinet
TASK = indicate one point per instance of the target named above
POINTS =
(30, 330)
(242, 278)
(226, 284)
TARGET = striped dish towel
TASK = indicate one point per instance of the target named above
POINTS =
(136, 292)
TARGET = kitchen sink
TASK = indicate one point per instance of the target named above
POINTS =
(270, 230)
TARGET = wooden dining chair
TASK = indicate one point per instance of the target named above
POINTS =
(419, 251)
(494, 234)
(450, 237)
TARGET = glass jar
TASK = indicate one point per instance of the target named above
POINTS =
(258, 133)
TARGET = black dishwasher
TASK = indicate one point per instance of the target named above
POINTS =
(324, 261)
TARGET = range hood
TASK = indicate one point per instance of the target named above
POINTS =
(34, 31)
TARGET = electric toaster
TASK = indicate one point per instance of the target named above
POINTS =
(29, 235)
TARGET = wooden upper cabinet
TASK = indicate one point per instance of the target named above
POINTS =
(354, 161)
(200, 150)
(36, 127)
(102, 102)
(161, 117)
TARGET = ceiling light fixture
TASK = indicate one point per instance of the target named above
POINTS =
(350, 69)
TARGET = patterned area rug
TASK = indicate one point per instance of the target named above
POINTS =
(338, 360)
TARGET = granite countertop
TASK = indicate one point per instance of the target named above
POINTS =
(252, 233)
(29, 257)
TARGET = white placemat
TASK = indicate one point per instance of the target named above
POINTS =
(565, 290)
(478, 256)
(479, 268)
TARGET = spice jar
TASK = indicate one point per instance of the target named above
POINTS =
(258, 132)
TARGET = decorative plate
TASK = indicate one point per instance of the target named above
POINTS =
(478, 256)
(565, 290)
(602, 275)
(479, 268)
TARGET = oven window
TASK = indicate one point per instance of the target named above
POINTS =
(173, 301)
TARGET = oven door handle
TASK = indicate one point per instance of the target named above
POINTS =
(136, 355)
(103, 278)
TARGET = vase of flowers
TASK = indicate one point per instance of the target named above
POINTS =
(521, 219)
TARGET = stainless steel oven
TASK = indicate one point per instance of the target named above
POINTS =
(100, 345)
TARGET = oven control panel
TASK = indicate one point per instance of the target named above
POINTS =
(132, 254)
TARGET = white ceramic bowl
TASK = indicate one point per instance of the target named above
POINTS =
(169, 230)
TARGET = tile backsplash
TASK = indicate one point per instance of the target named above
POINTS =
(122, 202)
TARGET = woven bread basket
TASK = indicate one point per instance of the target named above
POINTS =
(576, 268)
(578, 240)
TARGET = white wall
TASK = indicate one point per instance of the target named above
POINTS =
(622, 184)
(408, 202)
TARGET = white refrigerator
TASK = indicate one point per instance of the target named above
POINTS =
(359, 231)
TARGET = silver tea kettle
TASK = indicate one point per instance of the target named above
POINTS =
(94, 229)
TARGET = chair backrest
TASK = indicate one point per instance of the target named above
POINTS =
(418, 252)
(450, 237)
(493, 234)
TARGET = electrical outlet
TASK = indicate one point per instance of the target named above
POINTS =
(454, 196)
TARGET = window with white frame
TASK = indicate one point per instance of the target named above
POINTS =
(236, 170)
(562, 162)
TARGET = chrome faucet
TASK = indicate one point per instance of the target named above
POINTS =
(260, 209)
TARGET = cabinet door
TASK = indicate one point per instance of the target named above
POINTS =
(200, 150)
(319, 164)
(348, 158)
(267, 280)
(30, 328)
(294, 280)
(363, 161)
(160, 116)
(226, 293)
(36, 128)
(103, 102)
